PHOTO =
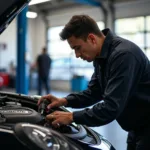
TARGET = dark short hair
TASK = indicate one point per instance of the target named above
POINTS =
(80, 26)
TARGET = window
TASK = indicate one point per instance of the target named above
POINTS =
(136, 30)
(129, 25)
(148, 53)
(148, 23)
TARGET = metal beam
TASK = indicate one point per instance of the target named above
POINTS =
(22, 79)
(89, 2)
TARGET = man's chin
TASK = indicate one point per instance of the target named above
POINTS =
(89, 60)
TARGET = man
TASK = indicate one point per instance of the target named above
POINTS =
(43, 66)
(121, 79)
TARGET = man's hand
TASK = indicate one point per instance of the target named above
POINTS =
(54, 101)
(59, 118)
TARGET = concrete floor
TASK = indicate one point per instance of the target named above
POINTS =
(111, 132)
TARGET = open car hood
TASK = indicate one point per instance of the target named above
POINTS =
(9, 9)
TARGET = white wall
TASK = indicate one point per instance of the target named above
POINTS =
(9, 37)
(36, 39)
(31, 47)
(36, 36)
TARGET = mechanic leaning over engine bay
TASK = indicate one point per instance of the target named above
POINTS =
(119, 87)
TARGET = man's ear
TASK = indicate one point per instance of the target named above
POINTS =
(92, 38)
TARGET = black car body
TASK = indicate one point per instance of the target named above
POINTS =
(23, 126)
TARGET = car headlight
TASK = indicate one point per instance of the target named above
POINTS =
(41, 138)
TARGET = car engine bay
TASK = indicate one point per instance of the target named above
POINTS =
(20, 117)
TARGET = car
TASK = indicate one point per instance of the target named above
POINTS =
(23, 126)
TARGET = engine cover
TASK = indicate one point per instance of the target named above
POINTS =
(20, 114)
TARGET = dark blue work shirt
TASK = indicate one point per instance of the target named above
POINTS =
(44, 65)
(122, 80)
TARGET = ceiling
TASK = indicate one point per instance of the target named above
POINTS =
(55, 5)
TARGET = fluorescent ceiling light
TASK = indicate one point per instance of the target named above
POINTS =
(30, 14)
(33, 2)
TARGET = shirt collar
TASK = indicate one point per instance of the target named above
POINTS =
(107, 42)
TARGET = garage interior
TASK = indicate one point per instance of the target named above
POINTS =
(127, 18)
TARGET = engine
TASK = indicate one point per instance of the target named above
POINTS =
(23, 126)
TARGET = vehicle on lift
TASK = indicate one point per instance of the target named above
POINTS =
(23, 126)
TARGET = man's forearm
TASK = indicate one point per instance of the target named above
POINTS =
(82, 99)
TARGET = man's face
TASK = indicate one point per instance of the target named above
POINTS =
(85, 50)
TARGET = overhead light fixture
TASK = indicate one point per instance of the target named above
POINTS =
(30, 14)
(33, 2)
